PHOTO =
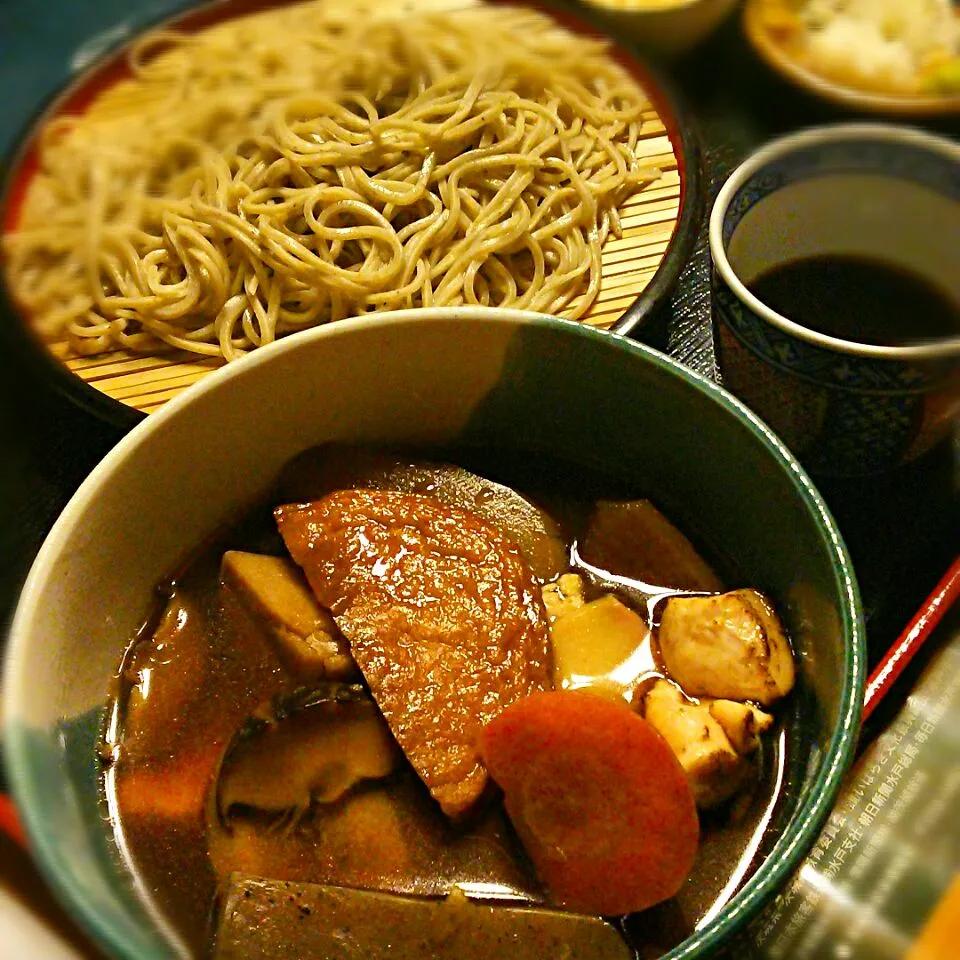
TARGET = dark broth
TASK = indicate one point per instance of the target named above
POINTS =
(861, 299)
(387, 835)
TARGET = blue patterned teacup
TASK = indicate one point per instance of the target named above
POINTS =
(876, 191)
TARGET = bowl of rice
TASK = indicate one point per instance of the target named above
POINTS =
(888, 56)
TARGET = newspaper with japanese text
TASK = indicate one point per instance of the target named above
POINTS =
(883, 880)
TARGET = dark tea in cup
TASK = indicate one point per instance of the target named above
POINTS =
(859, 298)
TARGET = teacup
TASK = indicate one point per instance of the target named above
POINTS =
(874, 194)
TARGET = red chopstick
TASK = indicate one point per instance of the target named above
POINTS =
(912, 639)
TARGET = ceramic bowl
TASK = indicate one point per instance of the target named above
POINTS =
(667, 27)
(471, 377)
(878, 191)
(786, 59)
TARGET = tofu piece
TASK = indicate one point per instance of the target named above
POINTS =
(264, 919)
(174, 791)
(275, 593)
(563, 596)
(716, 771)
(730, 646)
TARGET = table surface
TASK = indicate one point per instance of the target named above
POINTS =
(902, 529)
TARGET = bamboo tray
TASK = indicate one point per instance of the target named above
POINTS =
(639, 268)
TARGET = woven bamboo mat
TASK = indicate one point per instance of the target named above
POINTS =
(629, 262)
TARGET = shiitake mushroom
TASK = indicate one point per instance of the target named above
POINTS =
(307, 748)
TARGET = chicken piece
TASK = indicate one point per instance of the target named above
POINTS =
(443, 615)
(716, 771)
(741, 722)
(632, 538)
(731, 646)
(274, 592)
(563, 595)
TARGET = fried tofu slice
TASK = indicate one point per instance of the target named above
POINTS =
(274, 592)
(730, 646)
(334, 466)
(697, 733)
(443, 614)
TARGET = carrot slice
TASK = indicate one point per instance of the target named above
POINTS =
(598, 799)
(172, 790)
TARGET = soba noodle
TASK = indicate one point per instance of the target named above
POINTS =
(323, 160)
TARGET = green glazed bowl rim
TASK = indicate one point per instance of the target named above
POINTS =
(806, 822)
